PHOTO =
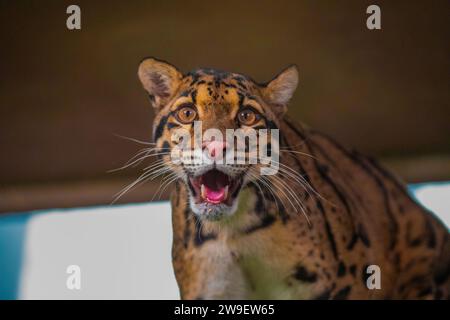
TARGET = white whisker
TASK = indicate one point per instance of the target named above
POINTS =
(135, 140)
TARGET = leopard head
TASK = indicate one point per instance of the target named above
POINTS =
(201, 110)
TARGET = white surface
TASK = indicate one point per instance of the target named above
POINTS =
(436, 197)
(124, 253)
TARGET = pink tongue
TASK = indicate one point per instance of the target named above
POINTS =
(215, 196)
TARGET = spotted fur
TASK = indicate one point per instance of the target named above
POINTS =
(358, 213)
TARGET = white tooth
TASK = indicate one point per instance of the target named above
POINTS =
(226, 192)
(202, 191)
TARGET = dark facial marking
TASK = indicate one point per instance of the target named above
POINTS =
(160, 128)
(185, 93)
(194, 96)
(165, 146)
(172, 125)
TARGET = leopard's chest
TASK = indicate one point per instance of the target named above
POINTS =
(239, 274)
(259, 262)
(270, 281)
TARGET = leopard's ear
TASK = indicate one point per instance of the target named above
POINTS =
(279, 90)
(160, 79)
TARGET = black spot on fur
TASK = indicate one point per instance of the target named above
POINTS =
(442, 274)
(363, 236)
(266, 221)
(353, 269)
(259, 206)
(187, 230)
(195, 76)
(359, 159)
(341, 269)
(328, 231)
(413, 282)
(194, 96)
(172, 125)
(200, 237)
(302, 274)
(160, 128)
(259, 127)
(269, 149)
(165, 147)
(343, 293)
(177, 194)
(151, 98)
(326, 294)
(325, 169)
(241, 100)
(431, 234)
(271, 124)
(364, 273)
(415, 242)
(185, 93)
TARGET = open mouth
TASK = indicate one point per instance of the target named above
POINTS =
(215, 187)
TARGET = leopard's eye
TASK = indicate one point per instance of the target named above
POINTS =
(247, 117)
(186, 115)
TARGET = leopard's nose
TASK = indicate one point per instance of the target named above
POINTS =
(215, 149)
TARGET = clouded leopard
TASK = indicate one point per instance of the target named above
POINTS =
(311, 230)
